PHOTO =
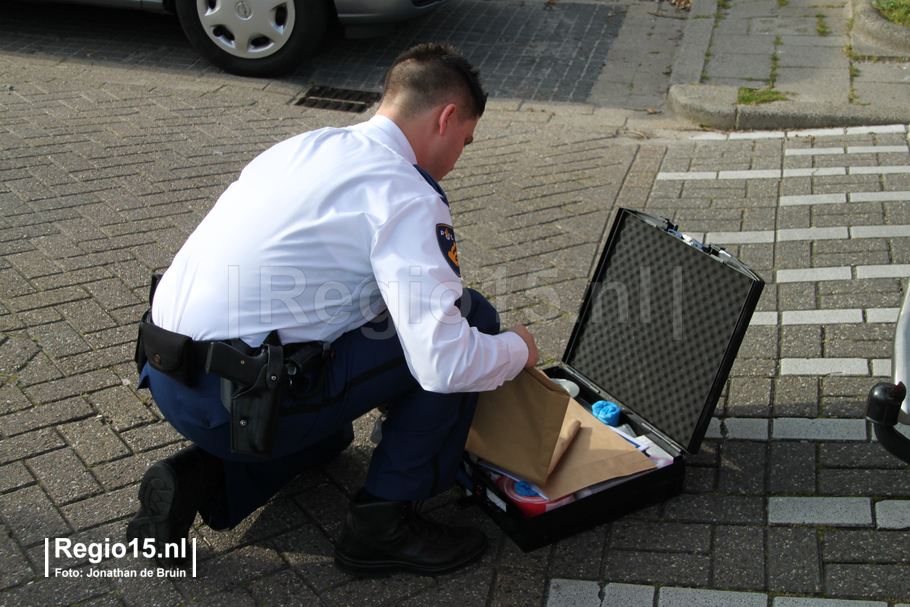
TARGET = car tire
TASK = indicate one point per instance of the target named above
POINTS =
(260, 38)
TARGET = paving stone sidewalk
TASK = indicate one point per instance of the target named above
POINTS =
(104, 172)
(824, 57)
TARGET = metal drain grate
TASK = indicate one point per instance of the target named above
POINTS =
(343, 100)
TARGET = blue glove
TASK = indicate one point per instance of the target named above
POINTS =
(523, 488)
(607, 412)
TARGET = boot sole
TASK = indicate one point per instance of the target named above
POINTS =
(152, 521)
(370, 569)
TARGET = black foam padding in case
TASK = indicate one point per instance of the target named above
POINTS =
(660, 326)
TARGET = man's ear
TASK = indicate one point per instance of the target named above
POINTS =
(449, 112)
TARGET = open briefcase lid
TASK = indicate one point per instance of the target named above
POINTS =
(661, 323)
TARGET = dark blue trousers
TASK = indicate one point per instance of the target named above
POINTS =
(422, 438)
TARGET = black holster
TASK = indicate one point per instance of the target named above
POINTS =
(252, 385)
(252, 379)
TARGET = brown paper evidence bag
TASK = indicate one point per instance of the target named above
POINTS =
(532, 428)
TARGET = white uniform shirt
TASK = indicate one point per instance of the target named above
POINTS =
(314, 230)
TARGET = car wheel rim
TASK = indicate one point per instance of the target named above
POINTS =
(248, 29)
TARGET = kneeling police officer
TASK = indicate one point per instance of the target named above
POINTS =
(324, 283)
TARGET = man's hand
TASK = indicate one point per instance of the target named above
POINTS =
(524, 334)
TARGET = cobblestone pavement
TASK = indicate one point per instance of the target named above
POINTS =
(540, 51)
(105, 170)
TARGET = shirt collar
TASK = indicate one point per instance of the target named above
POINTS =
(386, 132)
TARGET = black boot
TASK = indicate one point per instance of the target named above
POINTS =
(382, 536)
(172, 492)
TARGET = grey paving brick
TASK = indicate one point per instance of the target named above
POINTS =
(879, 196)
(523, 587)
(716, 509)
(887, 582)
(16, 569)
(801, 341)
(66, 279)
(86, 316)
(791, 468)
(795, 397)
(865, 546)
(115, 336)
(94, 441)
(32, 264)
(13, 476)
(29, 444)
(657, 568)
(31, 516)
(797, 296)
(15, 352)
(39, 370)
(470, 589)
(821, 317)
(306, 549)
(736, 428)
(818, 429)
(749, 397)
(892, 514)
(822, 274)
(669, 537)
(616, 595)
(869, 340)
(12, 399)
(695, 597)
(63, 476)
(794, 564)
(112, 293)
(282, 588)
(739, 555)
(566, 593)
(831, 511)
(40, 316)
(121, 408)
(885, 483)
(43, 416)
(58, 591)
(789, 601)
(824, 366)
(856, 455)
(579, 556)
(59, 339)
(742, 468)
(101, 508)
(14, 284)
(151, 436)
(71, 386)
(880, 293)
(808, 199)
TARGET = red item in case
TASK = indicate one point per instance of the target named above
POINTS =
(530, 505)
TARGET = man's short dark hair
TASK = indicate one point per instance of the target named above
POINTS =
(425, 75)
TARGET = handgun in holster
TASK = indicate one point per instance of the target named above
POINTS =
(252, 384)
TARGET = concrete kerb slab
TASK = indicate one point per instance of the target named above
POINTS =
(712, 106)
(690, 55)
(715, 107)
(871, 26)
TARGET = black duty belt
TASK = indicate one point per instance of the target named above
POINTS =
(252, 379)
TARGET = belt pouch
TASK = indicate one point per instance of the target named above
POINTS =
(168, 352)
(255, 408)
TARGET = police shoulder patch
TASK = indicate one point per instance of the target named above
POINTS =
(445, 236)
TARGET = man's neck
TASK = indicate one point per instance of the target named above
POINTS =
(417, 130)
